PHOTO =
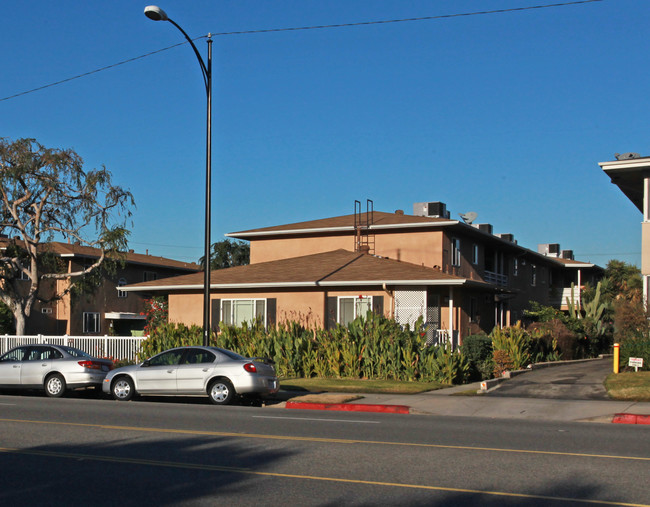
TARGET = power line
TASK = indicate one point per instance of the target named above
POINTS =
(290, 29)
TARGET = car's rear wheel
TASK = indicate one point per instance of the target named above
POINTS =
(55, 385)
(221, 392)
(123, 389)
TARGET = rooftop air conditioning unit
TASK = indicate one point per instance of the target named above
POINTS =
(430, 209)
(549, 249)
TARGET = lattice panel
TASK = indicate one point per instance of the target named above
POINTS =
(410, 305)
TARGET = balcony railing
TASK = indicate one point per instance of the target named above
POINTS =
(496, 278)
(558, 297)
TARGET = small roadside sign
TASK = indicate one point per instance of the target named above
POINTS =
(636, 362)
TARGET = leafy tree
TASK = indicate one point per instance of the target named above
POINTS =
(6, 320)
(228, 253)
(44, 195)
(620, 278)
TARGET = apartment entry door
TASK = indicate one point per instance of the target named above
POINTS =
(432, 317)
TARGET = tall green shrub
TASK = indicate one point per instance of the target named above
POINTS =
(515, 342)
(478, 351)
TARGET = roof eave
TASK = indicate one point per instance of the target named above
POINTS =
(284, 285)
(347, 228)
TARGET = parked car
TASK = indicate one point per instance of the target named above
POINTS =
(218, 373)
(54, 368)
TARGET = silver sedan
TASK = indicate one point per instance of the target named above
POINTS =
(218, 373)
(54, 368)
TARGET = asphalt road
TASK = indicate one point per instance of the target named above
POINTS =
(570, 381)
(85, 451)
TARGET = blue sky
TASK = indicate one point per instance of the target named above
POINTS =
(503, 114)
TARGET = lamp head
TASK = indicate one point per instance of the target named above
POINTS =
(156, 13)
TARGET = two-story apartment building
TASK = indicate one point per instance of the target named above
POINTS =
(458, 277)
(631, 173)
(107, 310)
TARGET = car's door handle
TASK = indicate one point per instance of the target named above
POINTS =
(206, 369)
(170, 371)
(44, 364)
(16, 366)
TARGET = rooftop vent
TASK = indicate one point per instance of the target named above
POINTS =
(399, 211)
(508, 237)
(626, 156)
(430, 209)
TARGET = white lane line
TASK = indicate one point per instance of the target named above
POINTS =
(315, 419)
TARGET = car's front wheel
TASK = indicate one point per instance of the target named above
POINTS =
(123, 389)
(55, 385)
(221, 392)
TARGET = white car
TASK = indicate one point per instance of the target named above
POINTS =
(218, 373)
(54, 368)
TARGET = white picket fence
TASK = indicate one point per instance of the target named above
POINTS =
(116, 347)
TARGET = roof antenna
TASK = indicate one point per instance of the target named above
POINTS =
(468, 217)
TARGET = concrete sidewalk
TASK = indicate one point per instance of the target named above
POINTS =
(563, 391)
(447, 402)
(444, 402)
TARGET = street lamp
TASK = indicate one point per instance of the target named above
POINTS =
(157, 14)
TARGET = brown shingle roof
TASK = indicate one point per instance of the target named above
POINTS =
(67, 250)
(339, 267)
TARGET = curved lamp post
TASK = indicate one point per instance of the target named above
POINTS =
(157, 14)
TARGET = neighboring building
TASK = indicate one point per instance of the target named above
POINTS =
(108, 310)
(631, 173)
(459, 277)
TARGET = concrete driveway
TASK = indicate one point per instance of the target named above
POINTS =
(569, 381)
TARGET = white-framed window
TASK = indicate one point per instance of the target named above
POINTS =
(91, 323)
(515, 267)
(475, 254)
(349, 308)
(533, 275)
(121, 293)
(46, 311)
(455, 252)
(234, 312)
(22, 275)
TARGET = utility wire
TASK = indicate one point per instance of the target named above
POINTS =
(290, 29)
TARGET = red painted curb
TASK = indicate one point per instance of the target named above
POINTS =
(631, 419)
(349, 407)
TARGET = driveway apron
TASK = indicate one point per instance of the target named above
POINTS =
(571, 381)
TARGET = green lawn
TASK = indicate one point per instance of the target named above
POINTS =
(338, 385)
(629, 386)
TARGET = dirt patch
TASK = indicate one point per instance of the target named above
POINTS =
(326, 398)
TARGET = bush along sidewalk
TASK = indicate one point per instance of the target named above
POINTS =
(370, 347)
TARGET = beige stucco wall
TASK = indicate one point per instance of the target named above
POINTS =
(306, 307)
(186, 309)
(424, 248)
(264, 250)
(645, 248)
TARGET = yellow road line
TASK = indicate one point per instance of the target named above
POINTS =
(214, 468)
(323, 440)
